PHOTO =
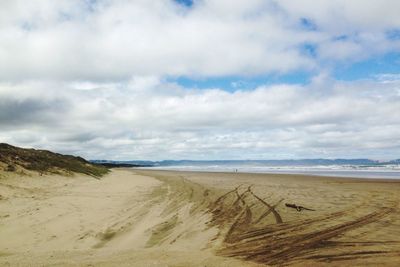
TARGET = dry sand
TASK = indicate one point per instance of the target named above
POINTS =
(165, 218)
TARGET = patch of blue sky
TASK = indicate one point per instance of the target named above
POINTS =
(187, 3)
(309, 50)
(393, 35)
(370, 68)
(234, 83)
(341, 38)
(308, 24)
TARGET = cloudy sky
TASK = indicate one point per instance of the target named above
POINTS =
(203, 79)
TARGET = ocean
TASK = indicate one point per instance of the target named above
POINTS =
(356, 171)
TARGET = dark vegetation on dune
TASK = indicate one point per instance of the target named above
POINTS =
(44, 161)
(116, 164)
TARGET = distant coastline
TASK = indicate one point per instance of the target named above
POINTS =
(285, 162)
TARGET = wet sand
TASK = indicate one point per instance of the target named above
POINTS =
(167, 218)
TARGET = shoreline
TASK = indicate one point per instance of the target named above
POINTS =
(274, 174)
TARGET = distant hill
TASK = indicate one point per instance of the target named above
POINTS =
(43, 161)
(289, 162)
(396, 161)
(124, 164)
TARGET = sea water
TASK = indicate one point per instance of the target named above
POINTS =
(381, 171)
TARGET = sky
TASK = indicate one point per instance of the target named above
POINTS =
(202, 79)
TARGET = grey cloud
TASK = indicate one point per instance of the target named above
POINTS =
(17, 113)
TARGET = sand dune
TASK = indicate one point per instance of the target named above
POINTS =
(160, 218)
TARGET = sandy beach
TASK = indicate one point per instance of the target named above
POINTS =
(166, 218)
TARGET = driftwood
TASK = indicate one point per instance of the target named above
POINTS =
(298, 208)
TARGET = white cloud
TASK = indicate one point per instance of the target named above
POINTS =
(168, 121)
(102, 40)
